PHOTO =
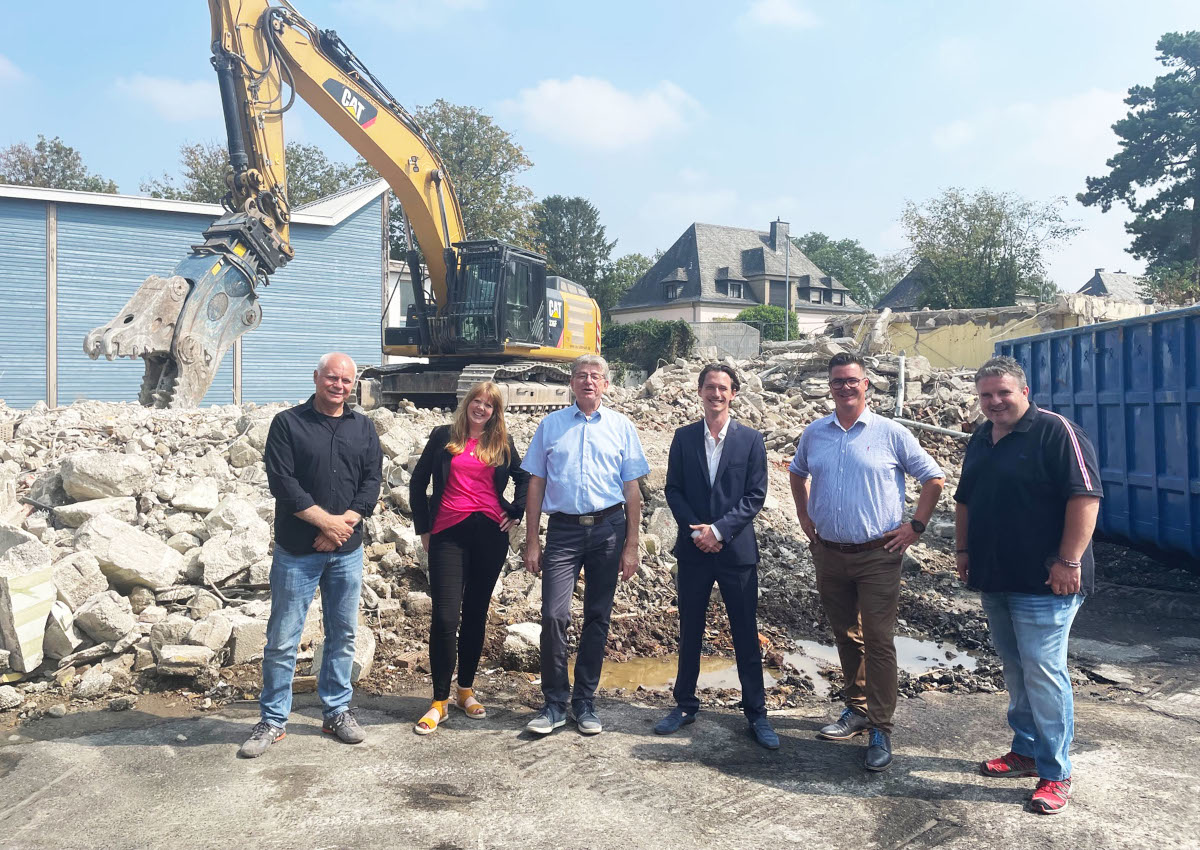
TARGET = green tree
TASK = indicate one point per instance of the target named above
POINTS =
(854, 266)
(483, 162)
(984, 249)
(1160, 156)
(203, 166)
(52, 164)
(768, 318)
(569, 233)
(620, 275)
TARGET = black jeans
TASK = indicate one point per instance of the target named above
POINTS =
(739, 590)
(597, 550)
(464, 563)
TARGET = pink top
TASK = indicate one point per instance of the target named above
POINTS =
(471, 488)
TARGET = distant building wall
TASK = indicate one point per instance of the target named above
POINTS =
(726, 339)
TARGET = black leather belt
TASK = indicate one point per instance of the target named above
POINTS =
(587, 519)
(852, 548)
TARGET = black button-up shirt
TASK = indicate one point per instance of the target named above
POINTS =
(1016, 494)
(314, 459)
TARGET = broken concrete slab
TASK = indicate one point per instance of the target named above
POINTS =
(129, 556)
(227, 553)
(92, 684)
(26, 596)
(213, 632)
(106, 616)
(248, 638)
(76, 514)
(200, 497)
(61, 638)
(77, 577)
(184, 660)
(98, 475)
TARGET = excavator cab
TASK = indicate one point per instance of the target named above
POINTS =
(498, 298)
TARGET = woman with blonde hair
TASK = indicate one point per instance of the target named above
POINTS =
(464, 528)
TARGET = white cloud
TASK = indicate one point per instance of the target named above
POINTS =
(173, 100)
(9, 72)
(1073, 131)
(778, 14)
(591, 113)
(957, 55)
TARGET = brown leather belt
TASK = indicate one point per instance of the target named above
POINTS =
(851, 548)
(587, 519)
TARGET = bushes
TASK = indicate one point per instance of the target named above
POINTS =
(768, 318)
(644, 343)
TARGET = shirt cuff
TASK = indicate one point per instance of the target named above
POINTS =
(716, 532)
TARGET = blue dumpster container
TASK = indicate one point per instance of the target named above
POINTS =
(1134, 386)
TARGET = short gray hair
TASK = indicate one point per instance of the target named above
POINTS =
(323, 363)
(589, 360)
(998, 367)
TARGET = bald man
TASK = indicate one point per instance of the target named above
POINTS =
(324, 466)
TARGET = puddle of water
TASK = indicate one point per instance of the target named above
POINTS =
(913, 656)
(658, 674)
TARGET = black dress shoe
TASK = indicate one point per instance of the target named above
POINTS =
(764, 734)
(851, 723)
(879, 751)
(673, 721)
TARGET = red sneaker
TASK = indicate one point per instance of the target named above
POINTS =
(1009, 764)
(1051, 797)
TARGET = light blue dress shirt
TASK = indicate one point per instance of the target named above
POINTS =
(857, 488)
(585, 459)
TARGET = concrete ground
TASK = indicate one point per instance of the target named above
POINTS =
(136, 779)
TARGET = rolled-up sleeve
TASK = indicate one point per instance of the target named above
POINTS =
(281, 470)
(915, 460)
(799, 464)
(367, 496)
(633, 460)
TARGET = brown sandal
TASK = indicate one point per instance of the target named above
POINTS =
(429, 720)
(470, 706)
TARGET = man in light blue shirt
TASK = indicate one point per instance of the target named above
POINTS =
(584, 464)
(848, 483)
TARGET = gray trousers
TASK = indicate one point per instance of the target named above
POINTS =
(597, 550)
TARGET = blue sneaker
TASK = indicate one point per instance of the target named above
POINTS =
(673, 721)
(547, 720)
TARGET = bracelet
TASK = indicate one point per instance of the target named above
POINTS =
(1069, 564)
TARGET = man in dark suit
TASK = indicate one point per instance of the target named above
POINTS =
(716, 485)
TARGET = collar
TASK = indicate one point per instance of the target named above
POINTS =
(311, 404)
(587, 418)
(1022, 426)
(720, 434)
(864, 417)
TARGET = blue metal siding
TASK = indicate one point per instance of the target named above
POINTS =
(327, 299)
(104, 254)
(23, 285)
(1134, 386)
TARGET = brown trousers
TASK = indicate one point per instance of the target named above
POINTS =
(860, 593)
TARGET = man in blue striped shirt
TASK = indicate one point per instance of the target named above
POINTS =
(584, 464)
(848, 483)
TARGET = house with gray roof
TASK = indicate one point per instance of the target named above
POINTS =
(714, 272)
(1118, 285)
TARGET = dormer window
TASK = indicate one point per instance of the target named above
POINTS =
(814, 296)
(671, 291)
(725, 287)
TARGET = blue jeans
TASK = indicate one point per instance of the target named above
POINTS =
(1030, 632)
(294, 580)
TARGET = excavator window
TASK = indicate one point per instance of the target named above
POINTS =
(476, 306)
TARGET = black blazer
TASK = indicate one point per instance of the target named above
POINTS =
(435, 463)
(732, 501)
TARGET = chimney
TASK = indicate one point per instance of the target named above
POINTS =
(779, 233)
(1098, 271)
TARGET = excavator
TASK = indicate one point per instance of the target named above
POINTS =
(483, 309)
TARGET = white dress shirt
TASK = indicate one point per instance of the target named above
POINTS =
(712, 450)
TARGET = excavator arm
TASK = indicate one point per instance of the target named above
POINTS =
(265, 54)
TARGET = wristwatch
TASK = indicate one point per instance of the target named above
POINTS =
(917, 526)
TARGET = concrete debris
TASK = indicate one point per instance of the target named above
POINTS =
(61, 637)
(99, 475)
(26, 597)
(92, 684)
(106, 616)
(74, 515)
(213, 632)
(129, 556)
(184, 660)
(199, 498)
(10, 698)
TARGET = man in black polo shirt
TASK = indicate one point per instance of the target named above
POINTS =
(324, 466)
(1026, 508)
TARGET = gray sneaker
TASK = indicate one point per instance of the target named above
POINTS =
(345, 727)
(547, 720)
(262, 736)
(586, 719)
(851, 723)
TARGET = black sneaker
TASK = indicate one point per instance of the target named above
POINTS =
(262, 736)
(345, 727)
(586, 719)
(851, 723)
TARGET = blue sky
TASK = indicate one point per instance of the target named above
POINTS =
(829, 115)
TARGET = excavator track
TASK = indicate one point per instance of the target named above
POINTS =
(527, 386)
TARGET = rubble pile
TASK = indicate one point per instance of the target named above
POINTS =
(135, 543)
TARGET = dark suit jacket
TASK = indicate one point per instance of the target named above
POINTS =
(731, 503)
(435, 463)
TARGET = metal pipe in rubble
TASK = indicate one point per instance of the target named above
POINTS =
(962, 435)
(900, 389)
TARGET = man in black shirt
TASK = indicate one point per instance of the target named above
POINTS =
(324, 466)
(1027, 503)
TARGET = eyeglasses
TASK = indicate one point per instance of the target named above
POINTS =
(851, 383)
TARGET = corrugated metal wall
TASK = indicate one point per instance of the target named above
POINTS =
(23, 284)
(327, 299)
(104, 254)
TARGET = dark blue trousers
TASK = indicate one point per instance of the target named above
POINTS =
(739, 590)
